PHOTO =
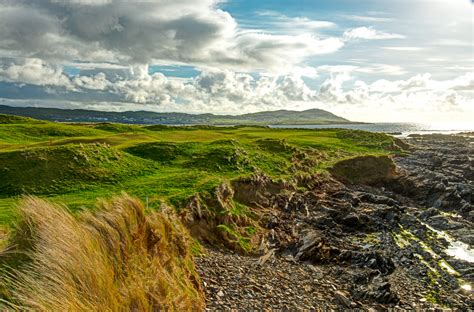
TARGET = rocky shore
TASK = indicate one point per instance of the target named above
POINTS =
(402, 243)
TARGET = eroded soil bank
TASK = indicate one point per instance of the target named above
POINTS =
(401, 242)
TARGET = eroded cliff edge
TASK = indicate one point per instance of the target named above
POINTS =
(398, 236)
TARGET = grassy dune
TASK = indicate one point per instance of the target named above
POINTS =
(75, 164)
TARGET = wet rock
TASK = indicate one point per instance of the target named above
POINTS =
(390, 214)
(374, 260)
(323, 222)
(424, 215)
(442, 223)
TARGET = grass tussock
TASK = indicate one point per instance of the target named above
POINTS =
(64, 168)
(368, 170)
(115, 259)
(217, 219)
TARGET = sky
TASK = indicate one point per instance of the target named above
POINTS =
(366, 60)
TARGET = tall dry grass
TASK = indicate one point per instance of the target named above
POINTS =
(116, 259)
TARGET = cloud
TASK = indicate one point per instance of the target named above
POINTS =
(363, 18)
(35, 72)
(408, 49)
(416, 99)
(167, 31)
(452, 42)
(369, 33)
(226, 91)
(264, 51)
(291, 24)
(97, 82)
(106, 46)
(386, 69)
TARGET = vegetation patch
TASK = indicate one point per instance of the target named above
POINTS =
(216, 218)
(367, 139)
(163, 152)
(364, 169)
(117, 128)
(179, 166)
(57, 169)
(12, 119)
(223, 155)
(275, 146)
(116, 259)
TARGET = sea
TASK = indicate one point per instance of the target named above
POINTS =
(399, 129)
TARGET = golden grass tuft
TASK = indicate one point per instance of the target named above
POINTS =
(115, 259)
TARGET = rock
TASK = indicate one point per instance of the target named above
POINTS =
(424, 215)
(342, 299)
(372, 259)
(442, 223)
(351, 221)
(377, 199)
(408, 220)
(315, 248)
(323, 222)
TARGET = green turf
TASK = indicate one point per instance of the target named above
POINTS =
(78, 163)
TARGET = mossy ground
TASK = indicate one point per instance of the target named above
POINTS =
(77, 163)
(364, 169)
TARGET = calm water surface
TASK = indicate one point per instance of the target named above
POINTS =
(400, 129)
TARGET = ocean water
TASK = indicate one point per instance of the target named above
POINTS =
(398, 129)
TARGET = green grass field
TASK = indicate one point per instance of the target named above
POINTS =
(77, 163)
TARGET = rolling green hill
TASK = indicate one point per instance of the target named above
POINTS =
(190, 169)
(76, 163)
(279, 117)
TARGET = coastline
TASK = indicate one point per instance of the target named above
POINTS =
(404, 243)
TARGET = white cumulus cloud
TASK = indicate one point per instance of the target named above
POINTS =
(35, 72)
(144, 32)
(369, 33)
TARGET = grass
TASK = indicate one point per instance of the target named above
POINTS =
(364, 169)
(116, 259)
(77, 163)
(11, 119)
(59, 169)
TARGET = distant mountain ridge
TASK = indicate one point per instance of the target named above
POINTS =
(279, 117)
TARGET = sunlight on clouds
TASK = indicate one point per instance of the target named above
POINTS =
(396, 62)
(370, 33)
(408, 49)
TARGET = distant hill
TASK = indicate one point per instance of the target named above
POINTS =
(279, 117)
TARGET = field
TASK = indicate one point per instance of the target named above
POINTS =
(77, 163)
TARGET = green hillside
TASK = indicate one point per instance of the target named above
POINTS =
(279, 117)
(77, 163)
